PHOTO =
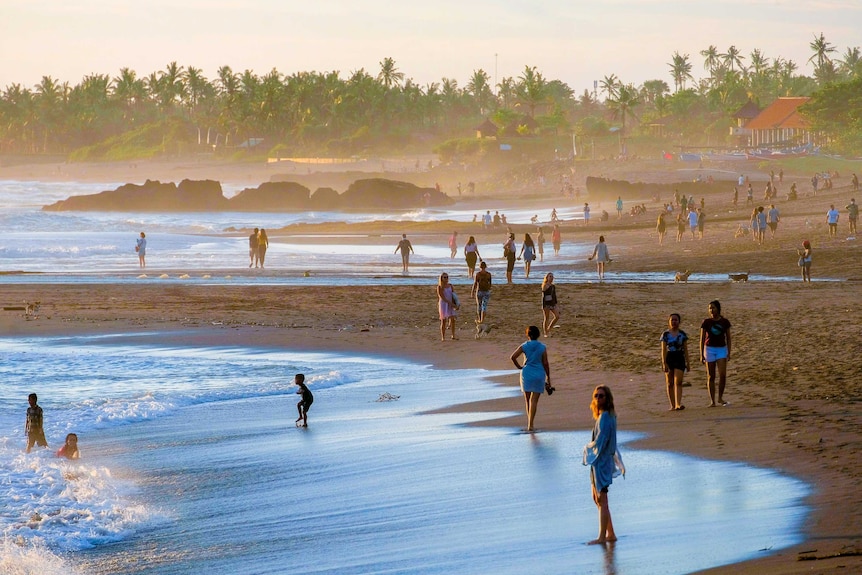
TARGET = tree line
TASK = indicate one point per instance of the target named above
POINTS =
(180, 109)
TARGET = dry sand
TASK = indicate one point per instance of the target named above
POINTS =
(793, 384)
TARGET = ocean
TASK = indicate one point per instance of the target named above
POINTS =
(191, 462)
(212, 248)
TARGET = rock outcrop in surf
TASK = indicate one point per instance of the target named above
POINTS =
(207, 196)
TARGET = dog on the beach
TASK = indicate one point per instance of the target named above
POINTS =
(681, 277)
(739, 277)
(483, 329)
(31, 309)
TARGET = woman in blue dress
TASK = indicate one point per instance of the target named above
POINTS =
(604, 460)
(535, 373)
(528, 252)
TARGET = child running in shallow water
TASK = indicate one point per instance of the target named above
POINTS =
(305, 402)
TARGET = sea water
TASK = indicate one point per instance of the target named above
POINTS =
(191, 463)
(212, 247)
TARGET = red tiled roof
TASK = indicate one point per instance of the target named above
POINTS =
(782, 113)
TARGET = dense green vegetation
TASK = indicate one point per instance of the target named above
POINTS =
(177, 111)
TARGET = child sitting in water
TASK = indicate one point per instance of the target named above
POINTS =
(70, 448)
(305, 402)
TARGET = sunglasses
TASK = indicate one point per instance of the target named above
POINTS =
(599, 396)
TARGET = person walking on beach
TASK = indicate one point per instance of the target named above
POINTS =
(141, 249)
(453, 244)
(661, 227)
(528, 252)
(619, 207)
(761, 225)
(253, 242)
(70, 447)
(605, 463)
(772, 219)
(406, 249)
(692, 222)
(701, 220)
(805, 260)
(471, 254)
(481, 291)
(535, 373)
(674, 360)
(680, 226)
(600, 254)
(549, 305)
(540, 243)
(509, 252)
(715, 351)
(832, 219)
(556, 239)
(262, 246)
(307, 399)
(586, 214)
(852, 214)
(33, 424)
(447, 306)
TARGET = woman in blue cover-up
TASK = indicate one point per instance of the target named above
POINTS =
(535, 372)
(604, 460)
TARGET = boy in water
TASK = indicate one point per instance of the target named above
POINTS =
(33, 425)
(305, 402)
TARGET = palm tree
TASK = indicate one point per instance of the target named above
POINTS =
(733, 58)
(654, 89)
(623, 103)
(506, 90)
(389, 75)
(479, 87)
(821, 49)
(129, 90)
(171, 87)
(609, 85)
(532, 88)
(680, 69)
(711, 59)
(851, 63)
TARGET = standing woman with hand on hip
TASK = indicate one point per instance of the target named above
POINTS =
(535, 373)
(604, 460)
(715, 351)
(471, 254)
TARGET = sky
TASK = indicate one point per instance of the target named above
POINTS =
(565, 40)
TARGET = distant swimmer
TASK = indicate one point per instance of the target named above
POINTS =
(70, 448)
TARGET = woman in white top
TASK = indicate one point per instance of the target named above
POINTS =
(600, 254)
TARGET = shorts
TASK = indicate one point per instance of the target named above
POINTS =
(675, 360)
(715, 353)
(482, 298)
(36, 437)
(772, 225)
(305, 405)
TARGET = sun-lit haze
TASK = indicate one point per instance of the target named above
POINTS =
(576, 42)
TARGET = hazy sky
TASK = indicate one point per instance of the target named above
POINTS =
(573, 41)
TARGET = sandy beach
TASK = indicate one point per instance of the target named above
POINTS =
(793, 380)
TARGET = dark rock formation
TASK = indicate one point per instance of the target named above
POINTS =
(325, 199)
(151, 196)
(379, 193)
(271, 197)
(207, 196)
